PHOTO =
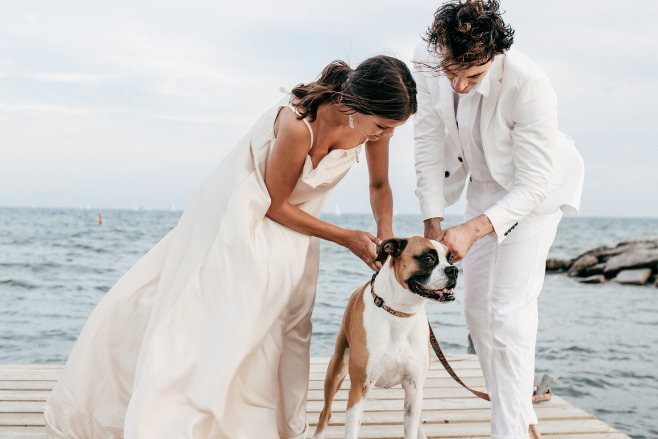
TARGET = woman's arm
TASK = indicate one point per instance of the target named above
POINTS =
(284, 167)
(381, 196)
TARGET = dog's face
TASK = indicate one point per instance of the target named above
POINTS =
(421, 266)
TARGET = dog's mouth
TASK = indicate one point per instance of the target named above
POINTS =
(440, 295)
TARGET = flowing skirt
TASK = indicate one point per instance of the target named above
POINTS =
(207, 335)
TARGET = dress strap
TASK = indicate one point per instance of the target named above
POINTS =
(293, 108)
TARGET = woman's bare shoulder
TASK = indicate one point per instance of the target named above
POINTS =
(289, 127)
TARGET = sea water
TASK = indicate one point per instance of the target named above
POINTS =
(599, 342)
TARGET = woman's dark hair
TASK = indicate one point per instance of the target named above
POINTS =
(380, 86)
(468, 33)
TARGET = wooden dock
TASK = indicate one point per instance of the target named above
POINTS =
(449, 411)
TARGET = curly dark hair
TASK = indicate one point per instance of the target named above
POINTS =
(468, 33)
(382, 86)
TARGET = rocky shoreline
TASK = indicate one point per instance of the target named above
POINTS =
(634, 262)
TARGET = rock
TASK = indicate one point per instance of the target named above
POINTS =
(634, 277)
(594, 269)
(639, 257)
(610, 262)
(582, 263)
(603, 253)
(598, 279)
(554, 264)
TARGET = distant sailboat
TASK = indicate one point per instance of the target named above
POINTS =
(336, 210)
(172, 209)
(32, 205)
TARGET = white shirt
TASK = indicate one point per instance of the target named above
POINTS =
(468, 108)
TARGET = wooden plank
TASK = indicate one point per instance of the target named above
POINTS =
(24, 395)
(430, 404)
(24, 367)
(21, 420)
(370, 417)
(452, 358)
(448, 409)
(444, 383)
(30, 374)
(615, 435)
(462, 430)
(40, 433)
(27, 385)
(22, 406)
(456, 365)
(23, 433)
(397, 393)
(432, 373)
(449, 416)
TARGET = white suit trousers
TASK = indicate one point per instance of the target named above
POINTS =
(502, 283)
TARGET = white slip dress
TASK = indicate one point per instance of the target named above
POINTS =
(208, 335)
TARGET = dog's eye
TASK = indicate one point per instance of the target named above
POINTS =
(428, 258)
(449, 257)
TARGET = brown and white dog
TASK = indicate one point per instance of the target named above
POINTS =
(384, 338)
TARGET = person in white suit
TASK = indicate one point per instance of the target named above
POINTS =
(487, 114)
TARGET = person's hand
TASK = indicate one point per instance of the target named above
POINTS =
(383, 236)
(433, 228)
(459, 239)
(361, 244)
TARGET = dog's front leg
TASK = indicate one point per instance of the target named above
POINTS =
(355, 404)
(413, 402)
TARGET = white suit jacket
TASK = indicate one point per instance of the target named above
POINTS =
(526, 154)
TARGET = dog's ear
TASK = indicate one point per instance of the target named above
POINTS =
(393, 247)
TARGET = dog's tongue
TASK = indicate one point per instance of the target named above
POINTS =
(447, 296)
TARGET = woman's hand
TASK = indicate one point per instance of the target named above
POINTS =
(361, 244)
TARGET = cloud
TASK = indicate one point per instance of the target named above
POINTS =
(148, 89)
(41, 108)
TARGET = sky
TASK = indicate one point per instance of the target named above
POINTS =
(131, 104)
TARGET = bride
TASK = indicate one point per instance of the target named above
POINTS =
(208, 335)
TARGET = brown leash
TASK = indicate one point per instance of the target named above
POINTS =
(442, 359)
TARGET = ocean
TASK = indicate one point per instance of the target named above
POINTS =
(599, 342)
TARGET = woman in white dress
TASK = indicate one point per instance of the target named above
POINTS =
(208, 335)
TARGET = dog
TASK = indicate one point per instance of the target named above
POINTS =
(384, 336)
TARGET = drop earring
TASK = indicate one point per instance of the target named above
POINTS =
(350, 119)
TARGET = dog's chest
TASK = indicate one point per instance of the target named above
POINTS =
(397, 347)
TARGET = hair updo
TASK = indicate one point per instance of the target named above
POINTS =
(381, 86)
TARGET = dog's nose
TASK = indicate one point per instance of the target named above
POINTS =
(452, 271)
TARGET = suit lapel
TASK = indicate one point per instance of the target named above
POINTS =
(489, 101)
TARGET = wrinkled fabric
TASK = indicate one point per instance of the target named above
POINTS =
(502, 283)
(207, 336)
